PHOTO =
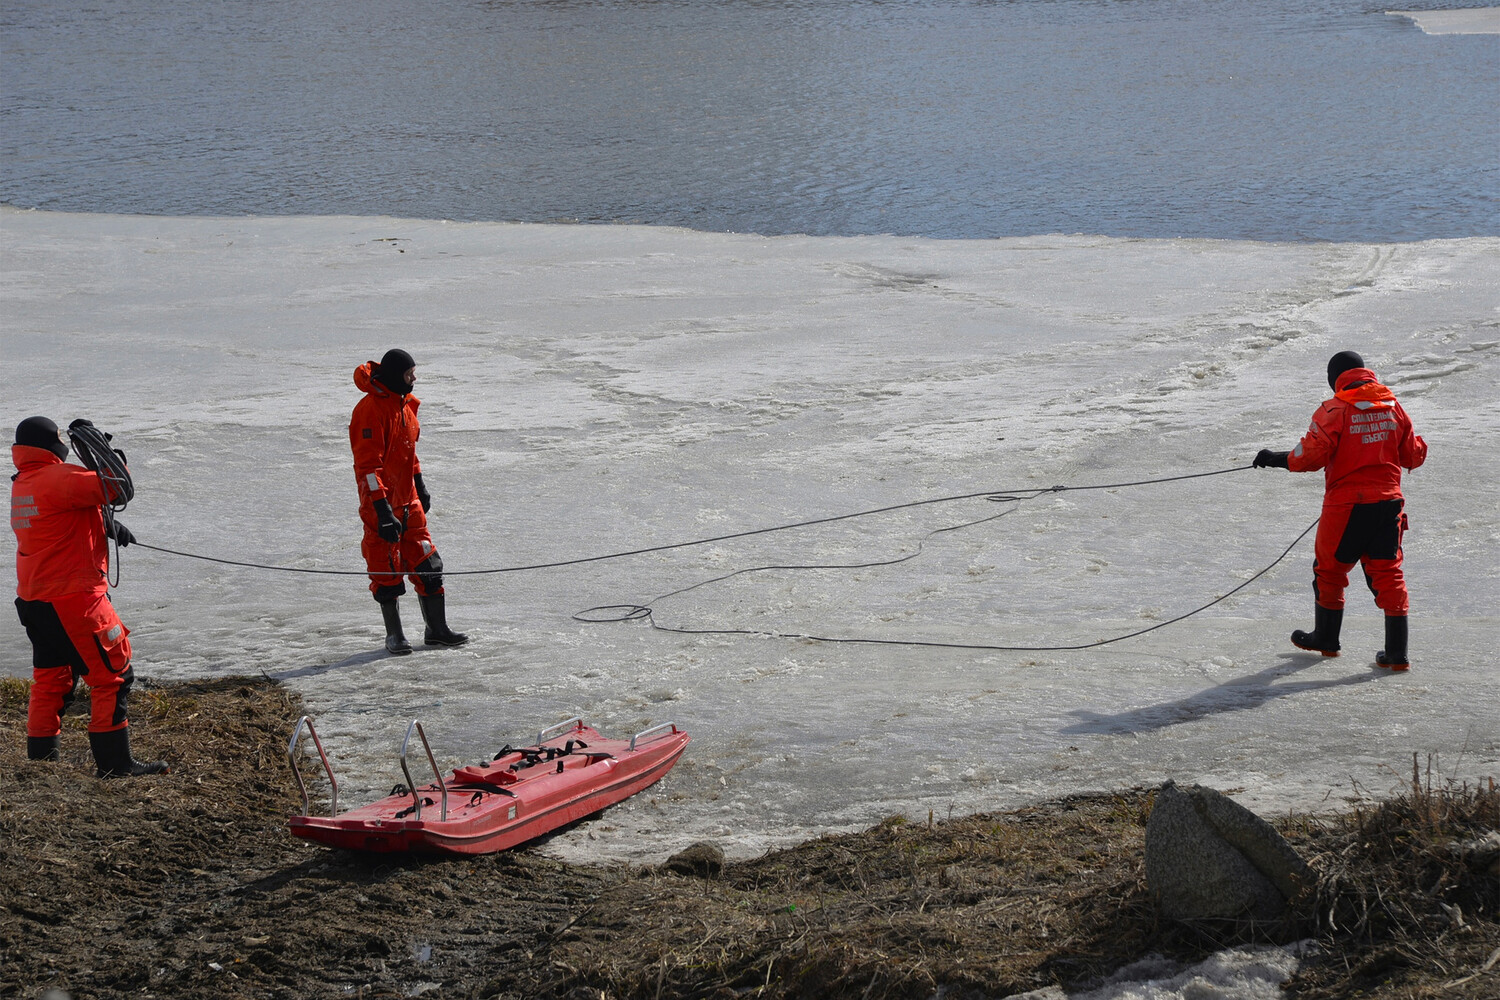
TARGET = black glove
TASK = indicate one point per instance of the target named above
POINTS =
(422, 495)
(1266, 458)
(121, 534)
(386, 524)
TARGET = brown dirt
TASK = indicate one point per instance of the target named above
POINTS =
(189, 885)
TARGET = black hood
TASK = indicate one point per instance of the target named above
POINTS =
(393, 369)
(1340, 363)
(39, 432)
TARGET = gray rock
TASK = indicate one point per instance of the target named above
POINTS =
(702, 859)
(1208, 857)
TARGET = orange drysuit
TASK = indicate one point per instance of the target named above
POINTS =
(62, 593)
(383, 434)
(1362, 438)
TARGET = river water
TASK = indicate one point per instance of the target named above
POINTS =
(1278, 120)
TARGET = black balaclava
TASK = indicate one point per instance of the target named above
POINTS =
(39, 432)
(393, 369)
(1340, 363)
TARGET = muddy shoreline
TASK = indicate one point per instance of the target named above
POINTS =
(189, 885)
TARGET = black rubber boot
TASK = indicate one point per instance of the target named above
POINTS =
(112, 755)
(1393, 656)
(395, 639)
(1324, 638)
(437, 632)
(42, 748)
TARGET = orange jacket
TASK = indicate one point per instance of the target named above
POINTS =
(55, 513)
(1363, 439)
(383, 434)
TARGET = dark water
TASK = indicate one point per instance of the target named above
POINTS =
(1280, 119)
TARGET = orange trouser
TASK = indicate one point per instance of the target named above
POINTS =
(73, 637)
(1367, 534)
(414, 556)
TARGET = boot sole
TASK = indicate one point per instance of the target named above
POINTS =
(1315, 649)
(440, 642)
(147, 771)
(400, 651)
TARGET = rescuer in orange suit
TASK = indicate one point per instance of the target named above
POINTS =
(1362, 438)
(393, 501)
(62, 597)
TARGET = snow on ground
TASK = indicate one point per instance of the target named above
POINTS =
(1232, 974)
(595, 389)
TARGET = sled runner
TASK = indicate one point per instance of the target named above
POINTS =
(571, 772)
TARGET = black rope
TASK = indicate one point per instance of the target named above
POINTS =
(92, 446)
(1026, 493)
(635, 612)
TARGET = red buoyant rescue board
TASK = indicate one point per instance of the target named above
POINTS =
(482, 808)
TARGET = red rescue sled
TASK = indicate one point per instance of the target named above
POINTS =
(571, 772)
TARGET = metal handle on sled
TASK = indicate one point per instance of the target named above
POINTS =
(417, 798)
(654, 729)
(541, 737)
(291, 756)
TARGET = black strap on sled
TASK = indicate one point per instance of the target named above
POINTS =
(531, 756)
(412, 808)
(483, 788)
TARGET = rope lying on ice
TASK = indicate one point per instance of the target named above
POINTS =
(1027, 493)
(636, 612)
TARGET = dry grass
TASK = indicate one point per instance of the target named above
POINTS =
(1408, 902)
(145, 887)
(984, 905)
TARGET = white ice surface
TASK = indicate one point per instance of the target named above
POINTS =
(594, 389)
(1463, 21)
